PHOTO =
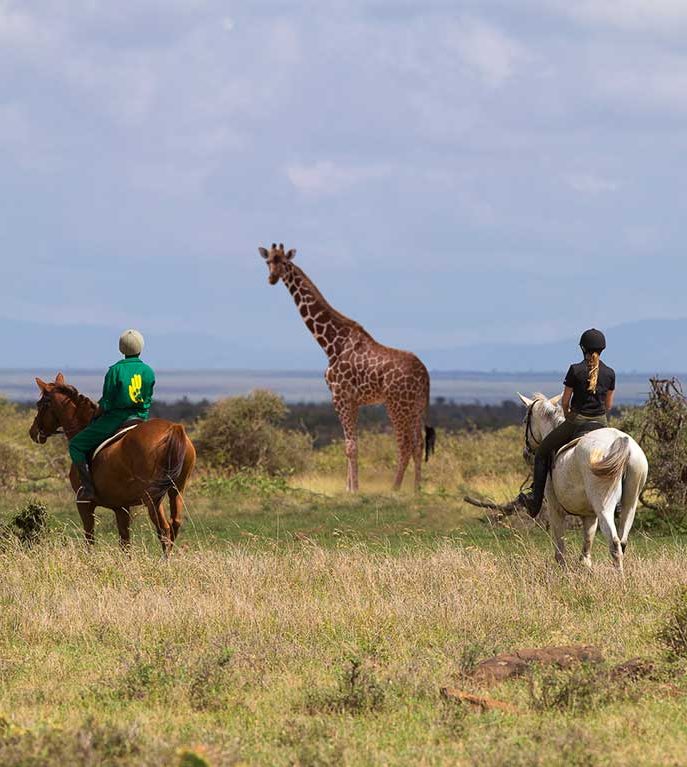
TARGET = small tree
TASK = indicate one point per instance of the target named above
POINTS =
(245, 432)
(660, 427)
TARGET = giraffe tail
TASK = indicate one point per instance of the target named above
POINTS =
(430, 441)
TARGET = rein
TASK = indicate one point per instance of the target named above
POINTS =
(530, 449)
(46, 402)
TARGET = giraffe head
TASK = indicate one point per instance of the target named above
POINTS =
(276, 259)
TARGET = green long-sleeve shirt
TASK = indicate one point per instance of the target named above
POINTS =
(128, 388)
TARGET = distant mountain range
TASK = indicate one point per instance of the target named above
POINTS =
(647, 346)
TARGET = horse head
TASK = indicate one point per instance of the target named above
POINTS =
(58, 410)
(542, 416)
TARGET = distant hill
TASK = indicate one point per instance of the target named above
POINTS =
(647, 346)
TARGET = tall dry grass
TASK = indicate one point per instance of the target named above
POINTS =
(249, 653)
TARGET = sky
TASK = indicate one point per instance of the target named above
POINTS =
(450, 173)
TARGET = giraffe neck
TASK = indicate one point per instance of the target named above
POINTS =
(330, 328)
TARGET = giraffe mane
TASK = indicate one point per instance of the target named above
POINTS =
(336, 314)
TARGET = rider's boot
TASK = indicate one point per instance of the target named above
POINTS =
(86, 493)
(534, 499)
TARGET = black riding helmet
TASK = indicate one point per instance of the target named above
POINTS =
(593, 340)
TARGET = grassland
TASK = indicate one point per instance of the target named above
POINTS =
(297, 626)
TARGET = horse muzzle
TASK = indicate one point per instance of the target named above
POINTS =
(37, 436)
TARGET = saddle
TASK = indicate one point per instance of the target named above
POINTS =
(568, 446)
(132, 423)
(582, 431)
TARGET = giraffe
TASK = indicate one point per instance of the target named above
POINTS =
(361, 371)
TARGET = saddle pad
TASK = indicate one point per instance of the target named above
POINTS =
(113, 438)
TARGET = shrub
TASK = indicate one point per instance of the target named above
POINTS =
(245, 432)
(358, 692)
(673, 634)
(28, 526)
(660, 427)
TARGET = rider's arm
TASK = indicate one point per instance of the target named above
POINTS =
(105, 403)
(609, 399)
(565, 402)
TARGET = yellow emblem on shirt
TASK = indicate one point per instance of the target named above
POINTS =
(135, 388)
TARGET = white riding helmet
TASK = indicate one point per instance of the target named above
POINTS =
(131, 343)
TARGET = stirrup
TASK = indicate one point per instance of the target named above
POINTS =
(83, 500)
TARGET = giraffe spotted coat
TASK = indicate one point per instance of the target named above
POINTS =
(361, 371)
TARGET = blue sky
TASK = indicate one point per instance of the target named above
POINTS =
(450, 172)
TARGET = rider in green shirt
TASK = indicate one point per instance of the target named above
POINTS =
(127, 395)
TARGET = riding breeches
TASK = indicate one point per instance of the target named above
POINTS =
(573, 427)
(96, 433)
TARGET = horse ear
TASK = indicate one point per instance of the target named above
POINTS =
(291, 254)
(59, 379)
(263, 252)
(525, 401)
(555, 400)
(41, 384)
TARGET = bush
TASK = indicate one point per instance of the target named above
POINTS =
(673, 634)
(660, 427)
(28, 526)
(245, 433)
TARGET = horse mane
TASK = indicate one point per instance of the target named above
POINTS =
(74, 395)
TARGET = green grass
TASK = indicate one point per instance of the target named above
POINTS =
(296, 625)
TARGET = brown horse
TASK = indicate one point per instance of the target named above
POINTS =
(141, 467)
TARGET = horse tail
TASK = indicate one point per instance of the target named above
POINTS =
(612, 465)
(173, 465)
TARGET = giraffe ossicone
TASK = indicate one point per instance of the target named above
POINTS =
(361, 371)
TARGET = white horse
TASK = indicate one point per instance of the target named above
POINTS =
(590, 478)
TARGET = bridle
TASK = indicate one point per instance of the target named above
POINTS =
(530, 449)
(43, 404)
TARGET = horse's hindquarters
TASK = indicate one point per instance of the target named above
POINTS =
(568, 486)
(126, 471)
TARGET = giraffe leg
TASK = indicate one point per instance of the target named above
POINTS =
(405, 433)
(417, 451)
(348, 415)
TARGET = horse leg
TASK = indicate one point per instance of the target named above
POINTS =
(606, 517)
(87, 514)
(123, 517)
(632, 487)
(557, 527)
(348, 416)
(176, 509)
(589, 524)
(159, 520)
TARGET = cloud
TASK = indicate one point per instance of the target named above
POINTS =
(485, 49)
(325, 177)
(589, 183)
(662, 15)
(647, 80)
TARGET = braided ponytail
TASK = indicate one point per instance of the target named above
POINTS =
(592, 371)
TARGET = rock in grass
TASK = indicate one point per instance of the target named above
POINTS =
(512, 664)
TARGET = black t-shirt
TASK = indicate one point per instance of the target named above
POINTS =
(583, 401)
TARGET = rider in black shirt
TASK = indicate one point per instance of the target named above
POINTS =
(588, 396)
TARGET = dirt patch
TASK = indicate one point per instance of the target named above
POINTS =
(480, 703)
